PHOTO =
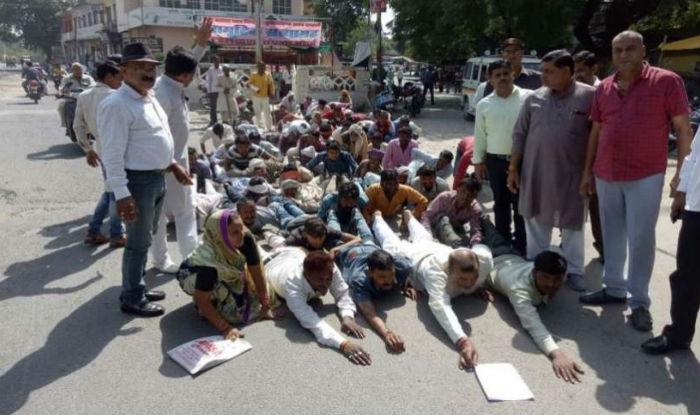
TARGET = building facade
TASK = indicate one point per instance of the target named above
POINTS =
(98, 28)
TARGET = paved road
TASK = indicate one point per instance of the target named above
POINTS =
(66, 348)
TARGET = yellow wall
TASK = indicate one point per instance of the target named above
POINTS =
(681, 62)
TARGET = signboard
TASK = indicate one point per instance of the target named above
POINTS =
(378, 6)
(238, 31)
(154, 43)
(325, 47)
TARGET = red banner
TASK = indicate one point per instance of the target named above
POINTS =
(378, 6)
(235, 31)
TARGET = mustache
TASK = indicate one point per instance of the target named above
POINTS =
(148, 78)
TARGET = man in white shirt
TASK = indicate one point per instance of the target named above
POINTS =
(180, 67)
(528, 285)
(212, 76)
(218, 134)
(300, 278)
(685, 281)
(137, 154)
(109, 78)
(442, 272)
(493, 140)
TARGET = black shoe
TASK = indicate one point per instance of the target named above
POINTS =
(600, 297)
(641, 319)
(143, 309)
(154, 295)
(660, 345)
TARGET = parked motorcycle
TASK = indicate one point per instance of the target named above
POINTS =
(385, 100)
(34, 91)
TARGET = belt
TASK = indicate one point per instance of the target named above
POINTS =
(505, 157)
(160, 172)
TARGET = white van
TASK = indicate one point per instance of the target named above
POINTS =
(475, 73)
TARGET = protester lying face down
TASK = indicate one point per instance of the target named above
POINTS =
(333, 150)
(318, 271)
(463, 268)
(389, 181)
(242, 145)
(290, 188)
(444, 160)
(348, 195)
(403, 173)
(180, 65)
(315, 232)
(258, 189)
(586, 67)
(428, 178)
(549, 272)
(381, 271)
(247, 210)
(501, 77)
(557, 70)
(258, 168)
(306, 155)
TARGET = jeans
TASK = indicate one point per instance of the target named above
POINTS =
(628, 212)
(685, 283)
(505, 203)
(286, 211)
(448, 235)
(148, 190)
(106, 206)
(357, 225)
(213, 97)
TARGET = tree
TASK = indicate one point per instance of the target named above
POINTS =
(37, 23)
(360, 34)
(345, 16)
(445, 29)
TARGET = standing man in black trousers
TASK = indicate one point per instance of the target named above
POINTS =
(685, 280)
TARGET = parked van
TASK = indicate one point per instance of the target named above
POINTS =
(475, 73)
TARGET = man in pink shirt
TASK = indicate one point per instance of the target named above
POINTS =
(625, 165)
(398, 153)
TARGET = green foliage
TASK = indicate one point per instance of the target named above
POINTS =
(344, 16)
(445, 29)
(359, 33)
(672, 15)
(37, 23)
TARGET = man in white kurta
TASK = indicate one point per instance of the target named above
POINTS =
(432, 273)
(227, 87)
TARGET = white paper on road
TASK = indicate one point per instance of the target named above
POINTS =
(501, 382)
(207, 352)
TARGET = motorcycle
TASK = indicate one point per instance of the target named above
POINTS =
(412, 97)
(385, 100)
(34, 91)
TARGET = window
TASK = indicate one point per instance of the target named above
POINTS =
(170, 3)
(102, 17)
(83, 21)
(282, 6)
(89, 16)
(225, 5)
(193, 4)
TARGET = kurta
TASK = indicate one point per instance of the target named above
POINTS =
(226, 103)
(551, 134)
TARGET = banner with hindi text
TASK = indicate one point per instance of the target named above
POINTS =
(238, 31)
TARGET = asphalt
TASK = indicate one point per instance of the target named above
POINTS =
(65, 348)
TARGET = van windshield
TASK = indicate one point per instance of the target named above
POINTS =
(466, 74)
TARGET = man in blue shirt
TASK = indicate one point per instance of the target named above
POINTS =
(342, 210)
(372, 273)
(335, 161)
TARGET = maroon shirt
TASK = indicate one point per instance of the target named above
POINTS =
(633, 141)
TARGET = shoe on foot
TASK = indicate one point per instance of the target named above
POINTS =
(576, 282)
(641, 319)
(96, 239)
(118, 242)
(143, 309)
(168, 267)
(661, 345)
(154, 295)
(601, 297)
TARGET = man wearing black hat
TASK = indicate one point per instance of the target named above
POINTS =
(180, 67)
(137, 153)
(512, 51)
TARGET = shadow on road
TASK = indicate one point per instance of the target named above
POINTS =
(178, 327)
(75, 342)
(67, 151)
(32, 278)
(465, 307)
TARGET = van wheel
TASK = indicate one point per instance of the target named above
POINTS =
(465, 111)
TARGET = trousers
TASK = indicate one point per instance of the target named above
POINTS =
(263, 116)
(628, 214)
(148, 190)
(505, 203)
(539, 239)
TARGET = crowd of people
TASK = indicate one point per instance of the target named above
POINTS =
(314, 198)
